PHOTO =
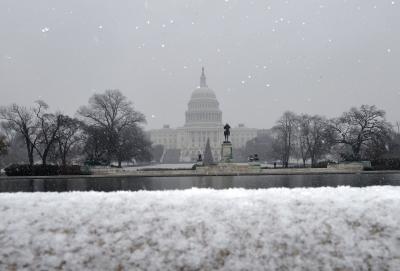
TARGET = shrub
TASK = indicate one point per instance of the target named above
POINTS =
(43, 170)
(18, 170)
(71, 170)
(323, 164)
(386, 164)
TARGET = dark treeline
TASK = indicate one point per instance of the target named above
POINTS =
(106, 130)
(359, 134)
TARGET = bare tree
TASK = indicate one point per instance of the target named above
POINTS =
(315, 136)
(112, 112)
(398, 127)
(358, 127)
(301, 148)
(95, 145)
(48, 127)
(69, 135)
(133, 145)
(284, 130)
(22, 120)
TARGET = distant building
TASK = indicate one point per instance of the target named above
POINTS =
(203, 121)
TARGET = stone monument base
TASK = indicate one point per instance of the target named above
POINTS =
(226, 152)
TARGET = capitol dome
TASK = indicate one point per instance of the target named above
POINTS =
(203, 107)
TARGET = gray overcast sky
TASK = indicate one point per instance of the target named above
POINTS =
(261, 57)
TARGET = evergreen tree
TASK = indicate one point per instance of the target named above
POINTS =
(208, 158)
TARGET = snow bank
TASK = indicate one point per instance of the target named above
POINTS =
(312, 229)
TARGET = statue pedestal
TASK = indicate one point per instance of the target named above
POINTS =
(226, 152)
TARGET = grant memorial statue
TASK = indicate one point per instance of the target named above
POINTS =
(227, 132)
(226, 150)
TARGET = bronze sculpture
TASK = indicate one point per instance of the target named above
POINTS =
(227, 132)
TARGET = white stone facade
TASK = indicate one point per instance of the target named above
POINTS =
(203, 121)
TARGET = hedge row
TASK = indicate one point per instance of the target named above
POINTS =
(43, 170)
(386, 164)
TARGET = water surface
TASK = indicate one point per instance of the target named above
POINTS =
(135, 183)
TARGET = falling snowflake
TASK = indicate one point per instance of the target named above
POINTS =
(100, 27)
(46, 29)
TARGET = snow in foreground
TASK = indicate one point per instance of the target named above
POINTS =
(314, 229)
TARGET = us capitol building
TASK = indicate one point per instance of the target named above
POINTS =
(203, 121)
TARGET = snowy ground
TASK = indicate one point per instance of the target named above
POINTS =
(300, 229)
